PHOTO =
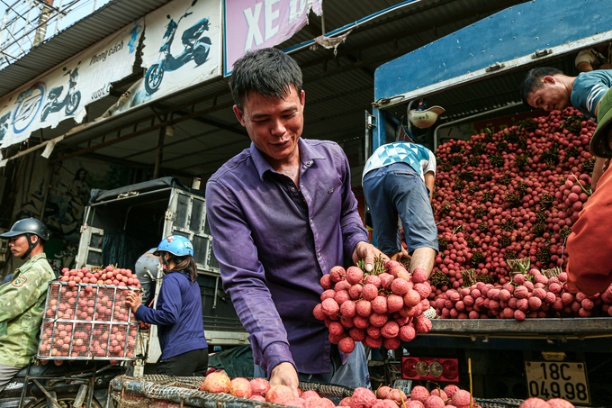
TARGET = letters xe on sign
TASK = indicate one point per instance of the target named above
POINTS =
(251, 25)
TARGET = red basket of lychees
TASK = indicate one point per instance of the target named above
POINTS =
(86, 318)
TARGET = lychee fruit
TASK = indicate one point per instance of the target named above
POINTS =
(461, 398)
(280, 394)
(345, 402)
(330, 307)
(337, 273)
(354, 274)
(348, 309)
(397, 395)
(363, 398)
(260, 386)
(559, 403)
(297, 402)
(400, 286)
(394, 268)
(379, 304)
(346, 345)
(318, 402)
(390, 329)
(451, 389)
(419, 275)
(394, 303)
(440, 393)
(216, 382)
(309, 394)
(369, 291)
(383, 391)
(433, 401)
(240, 387)
(534, 403)
(412, 298)
(419, 393)
(384, 403)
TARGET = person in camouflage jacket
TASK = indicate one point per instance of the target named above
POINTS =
(22, 299)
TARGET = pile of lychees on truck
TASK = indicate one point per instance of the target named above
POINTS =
(505, 203)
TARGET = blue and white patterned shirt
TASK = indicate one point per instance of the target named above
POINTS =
(420, 158)
(589, 88)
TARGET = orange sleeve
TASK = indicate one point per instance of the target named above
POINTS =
(589, 246)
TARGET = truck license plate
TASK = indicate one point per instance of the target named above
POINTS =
(546, 380)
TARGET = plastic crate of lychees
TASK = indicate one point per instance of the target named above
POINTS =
(86, 318)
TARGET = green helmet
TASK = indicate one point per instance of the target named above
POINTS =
(30, 226)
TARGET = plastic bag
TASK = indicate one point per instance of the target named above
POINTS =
(354, 372)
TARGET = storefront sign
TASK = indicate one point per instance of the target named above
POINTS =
(182, 47)
(65, 91)
(251, 25)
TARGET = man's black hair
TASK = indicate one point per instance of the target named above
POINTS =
(269, 72)
(533, 80)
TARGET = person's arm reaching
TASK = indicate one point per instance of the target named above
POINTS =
(244, 279)
(430, 181)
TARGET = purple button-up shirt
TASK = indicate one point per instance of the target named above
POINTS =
(274, 240)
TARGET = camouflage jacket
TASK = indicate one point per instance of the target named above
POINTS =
(22, 302)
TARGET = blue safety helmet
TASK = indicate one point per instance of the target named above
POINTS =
(177, 245)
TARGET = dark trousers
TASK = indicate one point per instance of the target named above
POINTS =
(187, 364)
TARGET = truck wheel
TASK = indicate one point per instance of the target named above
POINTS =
(66, 400)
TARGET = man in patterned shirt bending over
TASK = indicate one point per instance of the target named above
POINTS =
(398, 181)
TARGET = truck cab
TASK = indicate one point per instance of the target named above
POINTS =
(120, 225)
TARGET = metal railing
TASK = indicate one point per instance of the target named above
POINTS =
(28, 23)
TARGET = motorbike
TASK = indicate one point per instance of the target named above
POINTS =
(72, 384)
(71, 98)
(196, 48)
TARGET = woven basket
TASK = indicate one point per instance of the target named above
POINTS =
(499, 403)
(167, 391)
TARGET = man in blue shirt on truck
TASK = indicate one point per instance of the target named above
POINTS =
(550, 89)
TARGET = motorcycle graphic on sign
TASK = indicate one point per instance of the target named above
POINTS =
(70, 100)
(29, 104)
(196, 47)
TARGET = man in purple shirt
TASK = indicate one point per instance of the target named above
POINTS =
(282, 214)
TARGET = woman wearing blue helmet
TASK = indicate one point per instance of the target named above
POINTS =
(178, 313)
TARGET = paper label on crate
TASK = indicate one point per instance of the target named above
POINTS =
(19, 281)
